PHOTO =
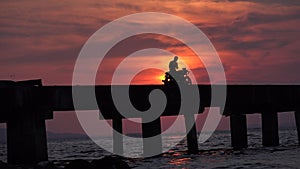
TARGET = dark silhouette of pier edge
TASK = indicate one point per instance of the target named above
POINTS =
(25, 105)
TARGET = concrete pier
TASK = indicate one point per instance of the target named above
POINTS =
(192, 140)
(269, 123)
(118, 136)
(297, 119)
(238, 129)
(26, 105)
(152, 142)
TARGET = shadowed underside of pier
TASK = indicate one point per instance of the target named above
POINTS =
(25, 106)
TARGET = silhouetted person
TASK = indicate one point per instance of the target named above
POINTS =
(173, 65)
(181, 76)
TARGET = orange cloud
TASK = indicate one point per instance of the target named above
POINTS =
(250, 36)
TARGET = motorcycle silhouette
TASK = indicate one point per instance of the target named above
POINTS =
(181, 77)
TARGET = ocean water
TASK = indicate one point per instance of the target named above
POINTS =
(214, 153)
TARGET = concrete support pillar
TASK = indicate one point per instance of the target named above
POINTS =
(26, 139)
(270, 129)
(26, 131)
(192, 140)
(297, 118)
(118, 136)
(238, 129)
(152, 142)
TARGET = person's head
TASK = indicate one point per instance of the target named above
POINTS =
(175, 58)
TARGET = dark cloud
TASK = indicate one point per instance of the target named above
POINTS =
(128, 6)
(268, 2)
(267, 44)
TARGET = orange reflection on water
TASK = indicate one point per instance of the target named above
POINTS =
(180, 161)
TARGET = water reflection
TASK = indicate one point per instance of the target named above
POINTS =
(180, 161)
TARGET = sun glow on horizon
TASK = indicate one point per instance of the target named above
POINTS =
(161, 77)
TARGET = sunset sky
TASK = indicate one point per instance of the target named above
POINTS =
(257, 40)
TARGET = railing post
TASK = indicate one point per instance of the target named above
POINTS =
(192, 141)
(152, 142)
(117, 136)
(297, 119)
(238, 129)
(270, 129)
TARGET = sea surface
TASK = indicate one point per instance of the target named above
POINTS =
(214, 153)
